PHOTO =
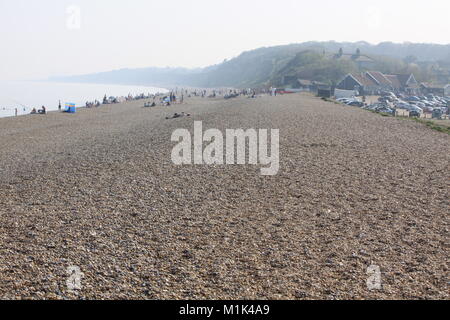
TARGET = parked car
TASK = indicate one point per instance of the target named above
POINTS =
(415, 109)
(413, 98)
(384, 109)
(402, 105)
(414, 113)
(355, 104)
(437, 113)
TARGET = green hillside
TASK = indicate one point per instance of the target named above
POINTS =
(310, 60)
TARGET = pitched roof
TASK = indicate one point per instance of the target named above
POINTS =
(395, 82)
(376, 78)
(305, 82)
(403, 78)
(379, 78)
(434, 85)
(363, 79)
(362, 58)
(354, 57)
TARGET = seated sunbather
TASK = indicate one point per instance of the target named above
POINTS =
(178, 115)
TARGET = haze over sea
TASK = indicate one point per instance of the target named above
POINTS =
(26, 95)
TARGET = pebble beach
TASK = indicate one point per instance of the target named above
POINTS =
(98, 190)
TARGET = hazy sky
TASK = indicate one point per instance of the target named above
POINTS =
(59, 37)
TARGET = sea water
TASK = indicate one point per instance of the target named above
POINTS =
(26, 95)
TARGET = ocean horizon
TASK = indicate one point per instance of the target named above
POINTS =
(26, 95)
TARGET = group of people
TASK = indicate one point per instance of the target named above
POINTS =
(231, 93)
(43, 110)
(170, 99)
(150, 105)
(93, 104)
(175, 96)
(214, 93)
(179, 115)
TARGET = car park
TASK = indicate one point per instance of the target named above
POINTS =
(417, 105)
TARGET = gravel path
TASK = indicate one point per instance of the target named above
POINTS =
(98, 190)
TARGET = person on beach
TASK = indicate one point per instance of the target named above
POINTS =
(59, 105)
(42, 110)
(179, 115)
(33, 111)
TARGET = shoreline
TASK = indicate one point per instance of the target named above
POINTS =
(70, 90)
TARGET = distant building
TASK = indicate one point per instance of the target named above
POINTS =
(339, 93)
(325, 92)
(436, 89)
(361, 60)
(381, 80)
(303, 84)
(408, 83)
(361, 83)
(310, 85)
(373, 82)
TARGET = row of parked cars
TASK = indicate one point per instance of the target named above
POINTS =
(416, 105)
(355, 102)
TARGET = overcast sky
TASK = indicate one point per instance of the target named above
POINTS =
(59, 37)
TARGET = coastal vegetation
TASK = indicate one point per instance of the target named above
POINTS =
(310, 60)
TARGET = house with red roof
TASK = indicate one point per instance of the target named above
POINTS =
(373, 82)
(437, 89)
(408, 83)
